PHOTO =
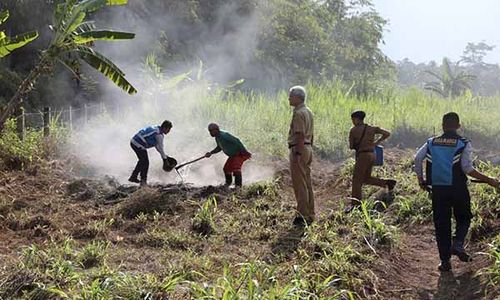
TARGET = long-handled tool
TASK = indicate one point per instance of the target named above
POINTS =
(189, 162)
(428, 188)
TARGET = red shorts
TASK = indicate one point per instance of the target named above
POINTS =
(234, 163)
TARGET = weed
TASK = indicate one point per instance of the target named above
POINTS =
(92, 254)
(203, 221)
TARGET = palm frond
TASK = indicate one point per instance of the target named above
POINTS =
(4, 15)
(7, 45)
(102, 35)
(106, 67)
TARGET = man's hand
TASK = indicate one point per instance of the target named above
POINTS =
(422, 183)
(208, 154)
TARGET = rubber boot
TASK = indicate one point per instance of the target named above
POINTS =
(144, 182)
(238, 180)
(229, 180)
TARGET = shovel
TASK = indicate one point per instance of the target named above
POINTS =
(189, 162)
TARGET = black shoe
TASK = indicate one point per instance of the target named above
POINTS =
(349, 208)
(391, 184)
(299, 221)
(444, 266)
(460, 252)
(134, 179)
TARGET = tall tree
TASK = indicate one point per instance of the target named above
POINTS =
(73, 37)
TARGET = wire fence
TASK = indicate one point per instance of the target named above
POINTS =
(68, 118)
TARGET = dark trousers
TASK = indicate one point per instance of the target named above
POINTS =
(143, 163)
(444, 200)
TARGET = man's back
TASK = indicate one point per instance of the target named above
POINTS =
(364, 143)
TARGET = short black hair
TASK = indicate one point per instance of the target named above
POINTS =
(451, 119)
(166, 124)
(359, 114)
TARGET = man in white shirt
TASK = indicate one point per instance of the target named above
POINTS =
(148, 137)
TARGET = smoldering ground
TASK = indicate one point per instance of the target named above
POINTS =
(103, 144)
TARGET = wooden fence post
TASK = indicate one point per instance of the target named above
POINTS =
(70, 118)
(46, 121)
(20, 122)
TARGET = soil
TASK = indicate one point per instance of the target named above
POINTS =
(61, 205)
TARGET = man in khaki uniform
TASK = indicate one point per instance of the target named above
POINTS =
(300, 140)
(362, 139)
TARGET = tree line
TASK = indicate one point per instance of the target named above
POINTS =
(267, 45)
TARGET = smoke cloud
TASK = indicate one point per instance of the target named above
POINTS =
(103, 144)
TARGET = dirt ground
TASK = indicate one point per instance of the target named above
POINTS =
(57, 204)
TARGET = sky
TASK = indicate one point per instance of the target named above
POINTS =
(424, 30)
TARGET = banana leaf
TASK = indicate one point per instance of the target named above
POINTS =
(102, 35)
(106, 67)
(7, 45)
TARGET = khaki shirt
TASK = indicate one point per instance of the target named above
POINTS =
(302, 122)
(367, 144)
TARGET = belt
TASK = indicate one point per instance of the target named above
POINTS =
(293, 145)
(365, 151)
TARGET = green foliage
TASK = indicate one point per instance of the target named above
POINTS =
(203, 221)
(493, 271)
(16, 153)
(9, 44)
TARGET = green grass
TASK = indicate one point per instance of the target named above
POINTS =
(262, 120)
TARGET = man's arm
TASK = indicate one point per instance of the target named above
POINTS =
(468, 167)
(419, 161)
(351, 139)
(299, 132)
(385, 135)
(215, 150)
(159, 145)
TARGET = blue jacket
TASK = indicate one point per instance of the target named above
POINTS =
(443, 156)
(146, 137)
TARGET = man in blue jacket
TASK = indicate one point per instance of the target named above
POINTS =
(148, 137)
(448, 162)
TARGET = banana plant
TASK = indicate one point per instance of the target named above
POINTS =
(9, 44)
(449, 83)
(72, 41)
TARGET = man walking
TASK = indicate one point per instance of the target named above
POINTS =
(362, 140)
(448, 162)
(148, 137)
(300, 140)
(234, 149)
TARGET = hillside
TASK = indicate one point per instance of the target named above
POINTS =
(68, 237)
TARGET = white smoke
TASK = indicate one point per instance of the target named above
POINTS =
(103, 144)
